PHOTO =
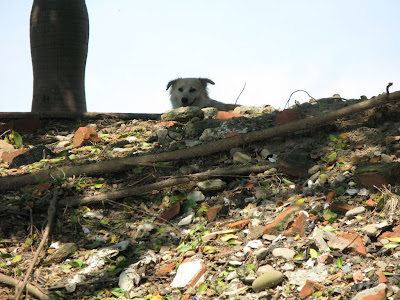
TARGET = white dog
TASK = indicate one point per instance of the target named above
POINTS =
(193, 92)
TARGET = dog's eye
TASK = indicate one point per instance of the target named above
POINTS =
(180, 89)
(192, 90)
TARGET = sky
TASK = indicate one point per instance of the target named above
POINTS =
(271, 47)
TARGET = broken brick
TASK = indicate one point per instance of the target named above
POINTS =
(288, 116)
(309, 288)
(281, 221)
(85, 136)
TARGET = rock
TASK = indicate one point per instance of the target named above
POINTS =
(285, 253)
(264, 269)
(267, 280)
(318, 237)
(351, 241)
(186, 221)
(144, 230)
(211, 185)
(189, 274)
(355, 212)
(247, 110)
(299, 277)
(376, 293)
(265, 153)
(196, 196)
(240, 157)
(62, 253)
(183, 114)
(261, 253)
(5, 147)
(209, 112)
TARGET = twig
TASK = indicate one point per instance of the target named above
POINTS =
(166, 183)
(50, 217)
(32, 290)
(287, 102)
(388, 86)
(241, 92)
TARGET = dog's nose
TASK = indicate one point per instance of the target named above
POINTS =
(184, 100)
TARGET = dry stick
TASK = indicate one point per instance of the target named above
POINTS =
(165, 183)
(122, 164)
(32, 290)
(50, 217)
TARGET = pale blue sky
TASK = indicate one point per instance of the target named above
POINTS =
(350, 47)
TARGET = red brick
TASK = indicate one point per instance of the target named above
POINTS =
(309, 288)
(281, 221)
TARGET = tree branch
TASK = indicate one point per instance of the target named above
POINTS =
(122, 164)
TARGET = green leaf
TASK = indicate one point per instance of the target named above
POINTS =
(17, 139)
(265, 184)
(98, 185)
(288, 182)
(329, 215)
(117, 292)
(59, 294)
(77, 263)
(17, 258)
(314, 253)
(187, 204)
(228, 237)
(333, 138)
(251, 267)
(203, 287)
(339, 262)
(209, 249)
(173, 199)
(137, 169)
(332, 156)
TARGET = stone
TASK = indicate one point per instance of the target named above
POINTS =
(189, 274)
(241, 157)
(355, 212)
(261, 253)
(267, 280)
(196, 196)
(211, 185)
(183, 114)
(186, 220)
(5, 147)
(299, 226)
(285, 253)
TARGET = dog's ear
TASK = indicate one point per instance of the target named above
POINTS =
(171, 83)
(204, 81)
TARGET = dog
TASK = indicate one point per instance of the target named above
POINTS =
(193, 92)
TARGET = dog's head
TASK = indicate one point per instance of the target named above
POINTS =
(189, 92)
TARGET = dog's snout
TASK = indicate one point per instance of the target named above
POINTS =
(184, 100)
